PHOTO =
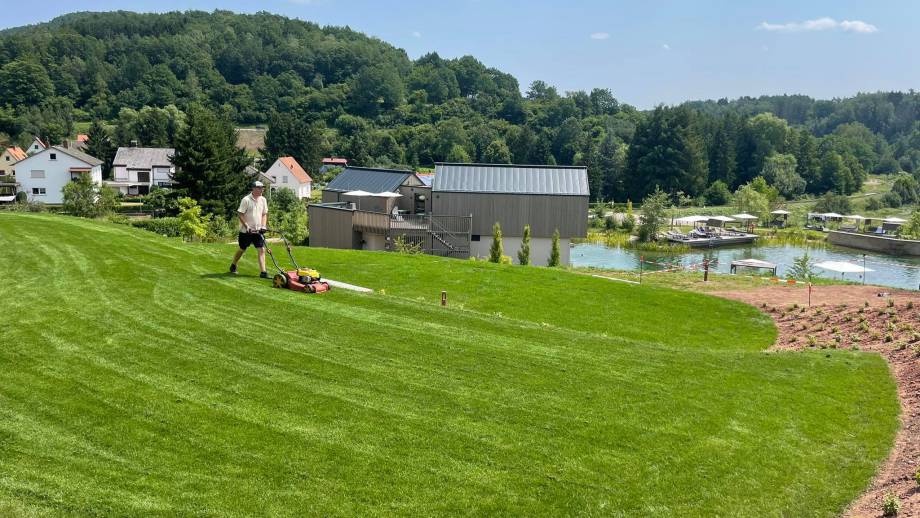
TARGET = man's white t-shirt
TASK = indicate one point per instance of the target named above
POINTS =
(252, 210)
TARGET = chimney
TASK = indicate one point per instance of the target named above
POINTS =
(133, 143)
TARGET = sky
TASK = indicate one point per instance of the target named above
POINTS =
(646, 52)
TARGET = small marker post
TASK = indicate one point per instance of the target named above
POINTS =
(443, 298)
(641, 260)
(809, 294)
(705, 270)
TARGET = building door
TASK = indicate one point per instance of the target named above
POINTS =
(419, 202)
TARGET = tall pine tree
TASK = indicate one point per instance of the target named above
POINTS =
(100, 145)
(210, 168)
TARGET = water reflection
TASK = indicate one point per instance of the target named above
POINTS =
(898, 272)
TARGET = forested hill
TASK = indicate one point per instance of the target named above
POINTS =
(334, 90)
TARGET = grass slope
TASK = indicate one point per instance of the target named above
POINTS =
(135, 380)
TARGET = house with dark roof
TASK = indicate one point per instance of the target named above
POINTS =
(43, 175)
(376, 209)
(8, 159)
(136, 170)
(37, 146)
(547, 198)
(286, 173)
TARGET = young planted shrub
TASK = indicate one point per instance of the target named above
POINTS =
(497, 250)
(524, 253)
(554, 252)
(891, 505)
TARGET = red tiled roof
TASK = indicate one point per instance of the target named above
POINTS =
(295, 169)
(335, 161)
(17, 153)
(82, 138)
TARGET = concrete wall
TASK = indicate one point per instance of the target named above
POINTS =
(540, 248)
(372, 241)
(886, 245)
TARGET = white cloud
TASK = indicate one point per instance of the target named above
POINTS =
(599, 35)
(820, 24)
(416, 34)
(665, 46)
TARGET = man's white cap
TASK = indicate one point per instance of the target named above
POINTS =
(258, 184)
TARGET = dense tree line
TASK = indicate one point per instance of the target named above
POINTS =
(327, 90)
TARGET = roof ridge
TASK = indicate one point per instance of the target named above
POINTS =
(517, 166)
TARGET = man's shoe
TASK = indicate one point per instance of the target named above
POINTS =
(264, 275)
(233, 269)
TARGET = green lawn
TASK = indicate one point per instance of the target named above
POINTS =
(136, 378)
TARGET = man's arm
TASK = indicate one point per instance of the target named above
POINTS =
(265, 216)
(242, 220)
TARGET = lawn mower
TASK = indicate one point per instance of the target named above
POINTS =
(306, 280)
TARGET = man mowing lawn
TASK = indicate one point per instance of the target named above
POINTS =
(253, 214)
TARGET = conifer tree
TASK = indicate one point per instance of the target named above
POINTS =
(554, 252)
(497, 250)
(100, 145)
(524, 252)
(210, 168)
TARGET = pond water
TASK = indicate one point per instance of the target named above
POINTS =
(897, 272)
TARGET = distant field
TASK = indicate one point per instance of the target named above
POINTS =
(137, 378)
(251, 139)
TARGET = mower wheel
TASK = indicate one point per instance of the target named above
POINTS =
(280, 281)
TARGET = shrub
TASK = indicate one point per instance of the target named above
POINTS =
(164, 226)
(889, 303)
(910, 304)
(874, 204)
(497, 249)
(192, 225)
(524, 253)
(891, 505)
(888, 338)
(628, 223)
(917, 477)
(22, 197)
(506, 259)
(812, 340)
(554, 252)
(892, 199)
(401, 245)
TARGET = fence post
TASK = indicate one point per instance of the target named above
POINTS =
(705, 270)
(641, 260)
(443, 298)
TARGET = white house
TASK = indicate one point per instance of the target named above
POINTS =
(43, 175)
(137, 169)
(37, 146)
(286, 173)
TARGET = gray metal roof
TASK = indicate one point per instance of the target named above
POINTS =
(511, 179)
(368, 179)
(79, 155)
(144, 157)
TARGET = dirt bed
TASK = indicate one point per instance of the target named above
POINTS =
(857, 316)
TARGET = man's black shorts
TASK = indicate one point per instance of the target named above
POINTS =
(250, 238)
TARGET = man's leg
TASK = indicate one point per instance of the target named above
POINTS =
(236, 257)
(262, 259)
(243, 242)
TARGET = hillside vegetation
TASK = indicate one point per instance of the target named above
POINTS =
(334, 90)
(135, 378)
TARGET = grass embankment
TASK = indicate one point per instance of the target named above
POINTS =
(134, 379)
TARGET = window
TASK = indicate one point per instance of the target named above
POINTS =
(7, 157)
(38, 191)
(474, 237)
(37, 174)
(284, 179)
(53, 156)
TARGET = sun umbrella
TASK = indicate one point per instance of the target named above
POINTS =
(894, 220)
(357, 193)
(743, 216)
(386, 194)
(781, 212)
